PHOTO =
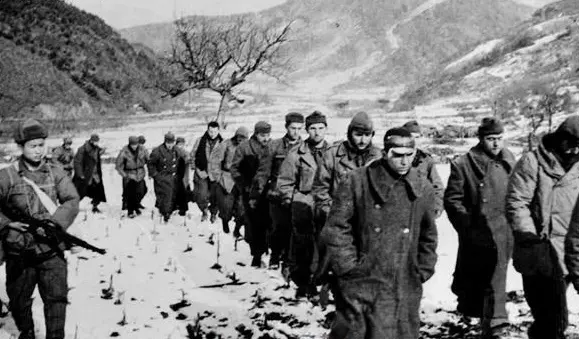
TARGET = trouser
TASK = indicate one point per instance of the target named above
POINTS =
(279, 237)
(225, 203)
(51, 278)
(133, 193)
(257, 225)
(205, 194)
(181, 196)
(547, 298)
(303, 243)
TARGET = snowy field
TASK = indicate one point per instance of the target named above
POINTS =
(158, 280)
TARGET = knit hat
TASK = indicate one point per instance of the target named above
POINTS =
(29, 129)
(316, 118)
(133, 140)
(169, 137)
(294, 117)
(361, 122)
(262, 127)
(67, 140)
(490, 126)
(142, 139)
(242, 131)
(412, 126)
(569, 127)
(398, 137)
(180, 140)
(94, 138)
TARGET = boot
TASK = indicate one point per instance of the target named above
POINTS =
(225, 226)
(95, 209)
(213, 219)
(131, 214)
(274, 262)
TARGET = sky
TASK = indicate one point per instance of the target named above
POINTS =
(128, 13)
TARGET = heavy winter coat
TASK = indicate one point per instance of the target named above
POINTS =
(197, 172)
(220, 164)
(381, 239)
(426, 167)
(163, 169)
(540, 201)
(268, 172)
(20, 200)
(475, 207)
(131, 165)
(86, 161)
(247, 159)
(63, 157)
(338, 161)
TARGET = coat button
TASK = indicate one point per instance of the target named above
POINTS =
(377, 206)
(484, 200)
(377, 229)
(406, 231)
(481, 184)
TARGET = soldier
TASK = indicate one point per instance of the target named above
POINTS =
(202, 180)
(244, 166)
(267, 173)
(541, 195)
(88, 175)
(163, 170)
(475, 203)
(381, 240)
(30, 262)
(341, 158)
(294, 182)
(227, 193)
(426, 166)
(130, 164)
(183, 187)
(64, 156)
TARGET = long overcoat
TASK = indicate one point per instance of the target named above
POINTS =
(485, 238)
(228, 199)
(163, 169)
(540, 200)
(86, 160)
(381, 239)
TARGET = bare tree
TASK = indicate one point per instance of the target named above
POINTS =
(219, 57)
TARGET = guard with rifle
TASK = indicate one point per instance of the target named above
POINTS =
(32, 189)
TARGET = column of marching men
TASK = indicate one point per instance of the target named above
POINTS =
(346, 217)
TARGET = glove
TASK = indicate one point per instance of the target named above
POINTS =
(253, 203)
(286, 202)
(19, 226)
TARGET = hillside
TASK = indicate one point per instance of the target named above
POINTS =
(538, 56)
(371, 42)
(55, 57)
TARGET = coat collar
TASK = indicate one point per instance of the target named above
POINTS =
(381, 181)
(480, 160)
(550, 164)
(346, 155)
(21, 166)
(306, 154)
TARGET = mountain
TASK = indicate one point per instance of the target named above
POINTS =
(356, 43)
(539, 56)
(56, 58)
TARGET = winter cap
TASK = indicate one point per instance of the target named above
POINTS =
(67, 140)
(180, 139)
(361, 122)
(294, 117)
(29, 129)
(262, 127)
(94, 138)
(169, 137)
(399, 138)
(570, 127)
(316, 118)
(133, 140)
(242, 131)
(142, 139)
(412, 126)
(490, 126)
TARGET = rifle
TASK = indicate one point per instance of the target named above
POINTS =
(53, 235)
